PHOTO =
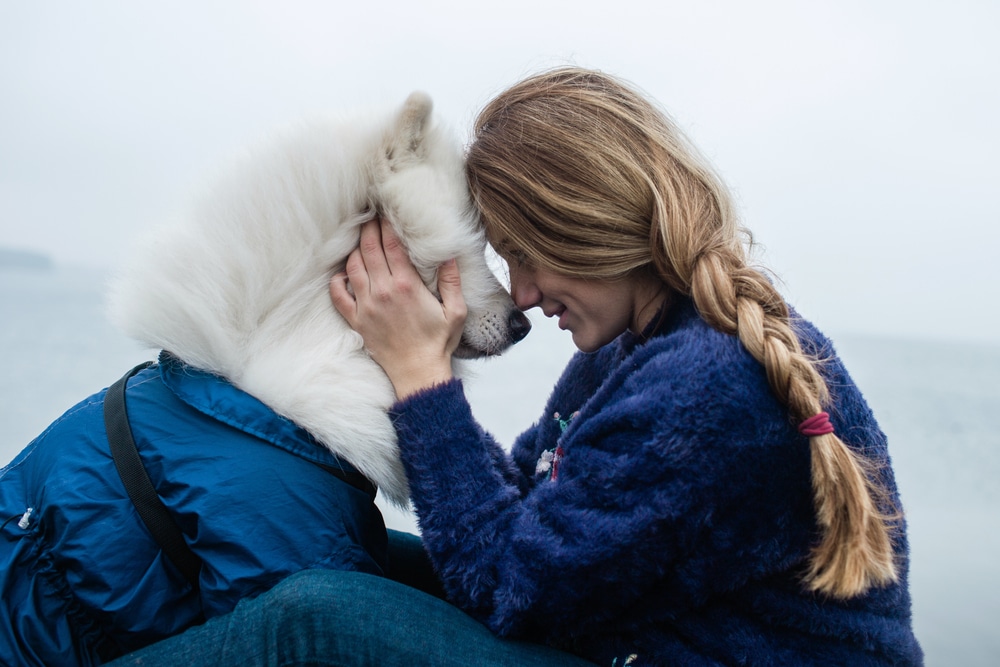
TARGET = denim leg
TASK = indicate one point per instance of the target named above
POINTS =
(327, 617)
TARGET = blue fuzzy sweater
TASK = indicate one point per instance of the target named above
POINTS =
(659, 513)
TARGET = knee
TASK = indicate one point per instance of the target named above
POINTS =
(312, 594)
(314, 613)
(356, 604)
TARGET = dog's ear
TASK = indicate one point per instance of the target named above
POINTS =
(411, 124)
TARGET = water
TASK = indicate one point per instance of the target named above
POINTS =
(936, 402)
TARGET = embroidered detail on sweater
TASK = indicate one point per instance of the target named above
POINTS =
(548, 462)
(564, 423)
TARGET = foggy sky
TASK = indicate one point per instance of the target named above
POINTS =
(860, 136)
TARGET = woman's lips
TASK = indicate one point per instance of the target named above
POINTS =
(559, 312)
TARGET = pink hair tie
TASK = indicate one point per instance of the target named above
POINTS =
(818, 424)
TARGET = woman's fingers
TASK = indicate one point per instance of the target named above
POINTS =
(370, 250)
(347, 285)
(450, 289)
(381, 263)
(395, 254)
(343, 300)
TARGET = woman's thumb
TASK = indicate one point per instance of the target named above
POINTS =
(450, 288)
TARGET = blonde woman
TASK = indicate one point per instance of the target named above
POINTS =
(706, 485)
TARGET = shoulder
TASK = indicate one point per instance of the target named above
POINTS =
(689, 379)
(695, 383)
(706, 379)
(691, 356)
(692, 367)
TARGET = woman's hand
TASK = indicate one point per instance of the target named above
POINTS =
(406, 329)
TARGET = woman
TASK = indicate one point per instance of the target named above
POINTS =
(686, 498)
(706, 485)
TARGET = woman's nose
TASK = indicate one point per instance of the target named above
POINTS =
(523, 290)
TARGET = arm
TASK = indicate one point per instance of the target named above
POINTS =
(650, 505)
(658, 498)
(546, 564)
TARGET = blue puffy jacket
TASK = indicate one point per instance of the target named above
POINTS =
(83, 581)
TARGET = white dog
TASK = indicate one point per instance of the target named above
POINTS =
(240, 287)
(237, 289)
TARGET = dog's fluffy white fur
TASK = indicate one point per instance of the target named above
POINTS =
(240, 286)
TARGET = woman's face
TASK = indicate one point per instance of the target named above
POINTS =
(594, 311)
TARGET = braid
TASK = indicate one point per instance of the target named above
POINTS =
(698, 249)
(855, 552)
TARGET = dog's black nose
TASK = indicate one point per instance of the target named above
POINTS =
(519, 325)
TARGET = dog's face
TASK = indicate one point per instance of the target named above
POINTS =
(420, 188)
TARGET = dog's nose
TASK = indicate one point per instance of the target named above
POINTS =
(518, 324)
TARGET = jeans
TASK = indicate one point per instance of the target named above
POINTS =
(327, 617)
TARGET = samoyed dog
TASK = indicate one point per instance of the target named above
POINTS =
(236, 294)
(239, 287)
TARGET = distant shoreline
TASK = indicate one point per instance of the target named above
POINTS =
(24, 259)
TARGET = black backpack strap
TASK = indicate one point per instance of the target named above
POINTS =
(138, 485)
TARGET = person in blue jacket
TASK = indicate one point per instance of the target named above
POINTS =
(83, 581)
(706, 484)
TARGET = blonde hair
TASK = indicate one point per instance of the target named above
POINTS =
(575, 172)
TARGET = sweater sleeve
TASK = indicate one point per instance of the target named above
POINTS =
(637, 509)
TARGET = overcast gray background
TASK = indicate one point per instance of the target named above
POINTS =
(859, 136)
